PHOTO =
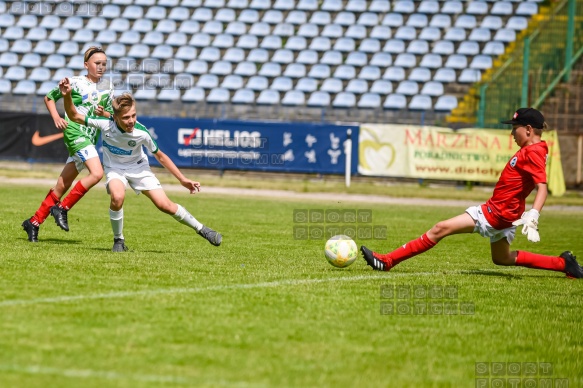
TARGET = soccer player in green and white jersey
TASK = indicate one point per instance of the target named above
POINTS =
(126, 164)
(92, 95)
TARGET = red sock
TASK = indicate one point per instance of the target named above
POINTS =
(74, 196)
(534, 260)
(45, 207)
(412, 248)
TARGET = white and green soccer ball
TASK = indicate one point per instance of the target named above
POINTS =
(341, 251)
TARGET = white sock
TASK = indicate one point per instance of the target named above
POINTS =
(184, 217)
(116, 218)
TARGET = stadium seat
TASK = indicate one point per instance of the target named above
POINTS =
(271, 42)
(163, 51)
(308, 30)
(345, 18)
(404, 6)
(356, 58)
(193, 95)
(272, 16)
(13, 32)
(120, 25)
(27, 21)
(370, 45)
(5, 86)
(157, 12)
(455, 34)
(176, 39)
(406, 33)
(122, 64)
(246, 69)
(45, 47)
(428, 7)
(457, 61)
(15, 73)
(210, 54)
(420, 74)
(223, 41)
(370, 73)
(282, 84)
(432, 88)
(165, 26)
(234, 55)
(139, 51)
(232, 82)
(369, 101)
(44, 88)
(505, 35)
(36, 34)
(379, 6)
(468, 47)
(481, 62)
(418, 47)
(189, 27)
(395, 102)
(445, 103)
(169, 95)
(260, 4)
(200, 39)
(247, 42)
(257, 83)
(296, 18)
(25, 87)
(333, 31)
(453, 7)
(344, 100)
(307, 57)
(331, 58)
(407, 88)
(356, 32)
(218, 96)
(270, 70)
(431, 61)
(183, 3)
(308, 5)
(286, 30)
(136, 80)
(493, 48)
(381, 87)
(283, 56)
(357, 86)
(186, 53)
(296, 43)
(214, 3)
(517, 23)
(145, 94)
(284, 5)
(430, 34)
(491, 22)
(222, 68)
(129, 37)
(466, 21)
(248, 16)
(70, 48)
(345, 72)
(443, 47)
(55, 61)
(106, 36)
(307, 85)
(184, 81)
(331, 85)
(238, 4)
(208, 81)
(111, 11)
(180, 14)
(30, 60)
(243, 96)
(213, 27)
(417, 20)
(470, 76)
(381, 33)
(381, 59)
(319, 99)
(83, 35)
(40, 74)
(320, 44)
(319, 71)
(406, 60)
(477, 8)
(293, 98)
(503, 8)
(394, 73)
(368, 19)
(332, 5)
(420, 102)
(76, 62)
(321, 18)
(394, 46)
(62, 73)
(480, 35)
(49, 22)
(258, 55)
(150, 65)
(268, 97)
(260, 29)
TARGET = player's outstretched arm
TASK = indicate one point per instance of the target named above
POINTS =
(165, 161)
(72, 114)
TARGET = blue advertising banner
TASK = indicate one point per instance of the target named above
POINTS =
(248, 145)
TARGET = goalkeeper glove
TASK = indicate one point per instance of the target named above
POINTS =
(530, 221)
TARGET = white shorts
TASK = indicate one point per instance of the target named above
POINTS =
(139, 179)
(486, 230)
(81, 156)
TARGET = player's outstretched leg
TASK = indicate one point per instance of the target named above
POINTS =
(60, 216)
(212, 236)
(572, 267)
(119, 245)
(31, 230)
(375, 261)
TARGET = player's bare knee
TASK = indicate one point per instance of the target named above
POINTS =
(439, 230)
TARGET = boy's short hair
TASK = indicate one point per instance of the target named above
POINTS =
(91, 51)
(122, 103)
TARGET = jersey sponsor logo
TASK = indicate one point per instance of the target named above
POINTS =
(116, 150)
(38, 140)
(513, 161)
(132, 143)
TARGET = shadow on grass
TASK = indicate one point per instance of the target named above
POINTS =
(56, 241)
(491, 273)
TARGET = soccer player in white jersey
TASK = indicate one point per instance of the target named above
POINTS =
(126, 164)
(92, 95)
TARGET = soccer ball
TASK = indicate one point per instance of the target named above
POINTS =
(341, 251)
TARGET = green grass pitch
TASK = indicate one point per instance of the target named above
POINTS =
(267, 310)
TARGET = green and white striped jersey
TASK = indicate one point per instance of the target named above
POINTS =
(86, 95)
(123, 150)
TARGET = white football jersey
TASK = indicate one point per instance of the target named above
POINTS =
(123, 150)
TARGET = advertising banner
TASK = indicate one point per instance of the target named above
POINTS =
(246, 145)
(470, 154)
(31, 137)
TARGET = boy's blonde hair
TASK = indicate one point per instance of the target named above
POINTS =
(122, 103)
(91, 51)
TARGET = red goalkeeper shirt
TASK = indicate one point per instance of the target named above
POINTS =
(520, 176)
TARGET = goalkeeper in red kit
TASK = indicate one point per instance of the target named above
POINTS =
(498, 218)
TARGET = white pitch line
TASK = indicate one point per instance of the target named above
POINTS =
(194, 290)
(110, 375)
